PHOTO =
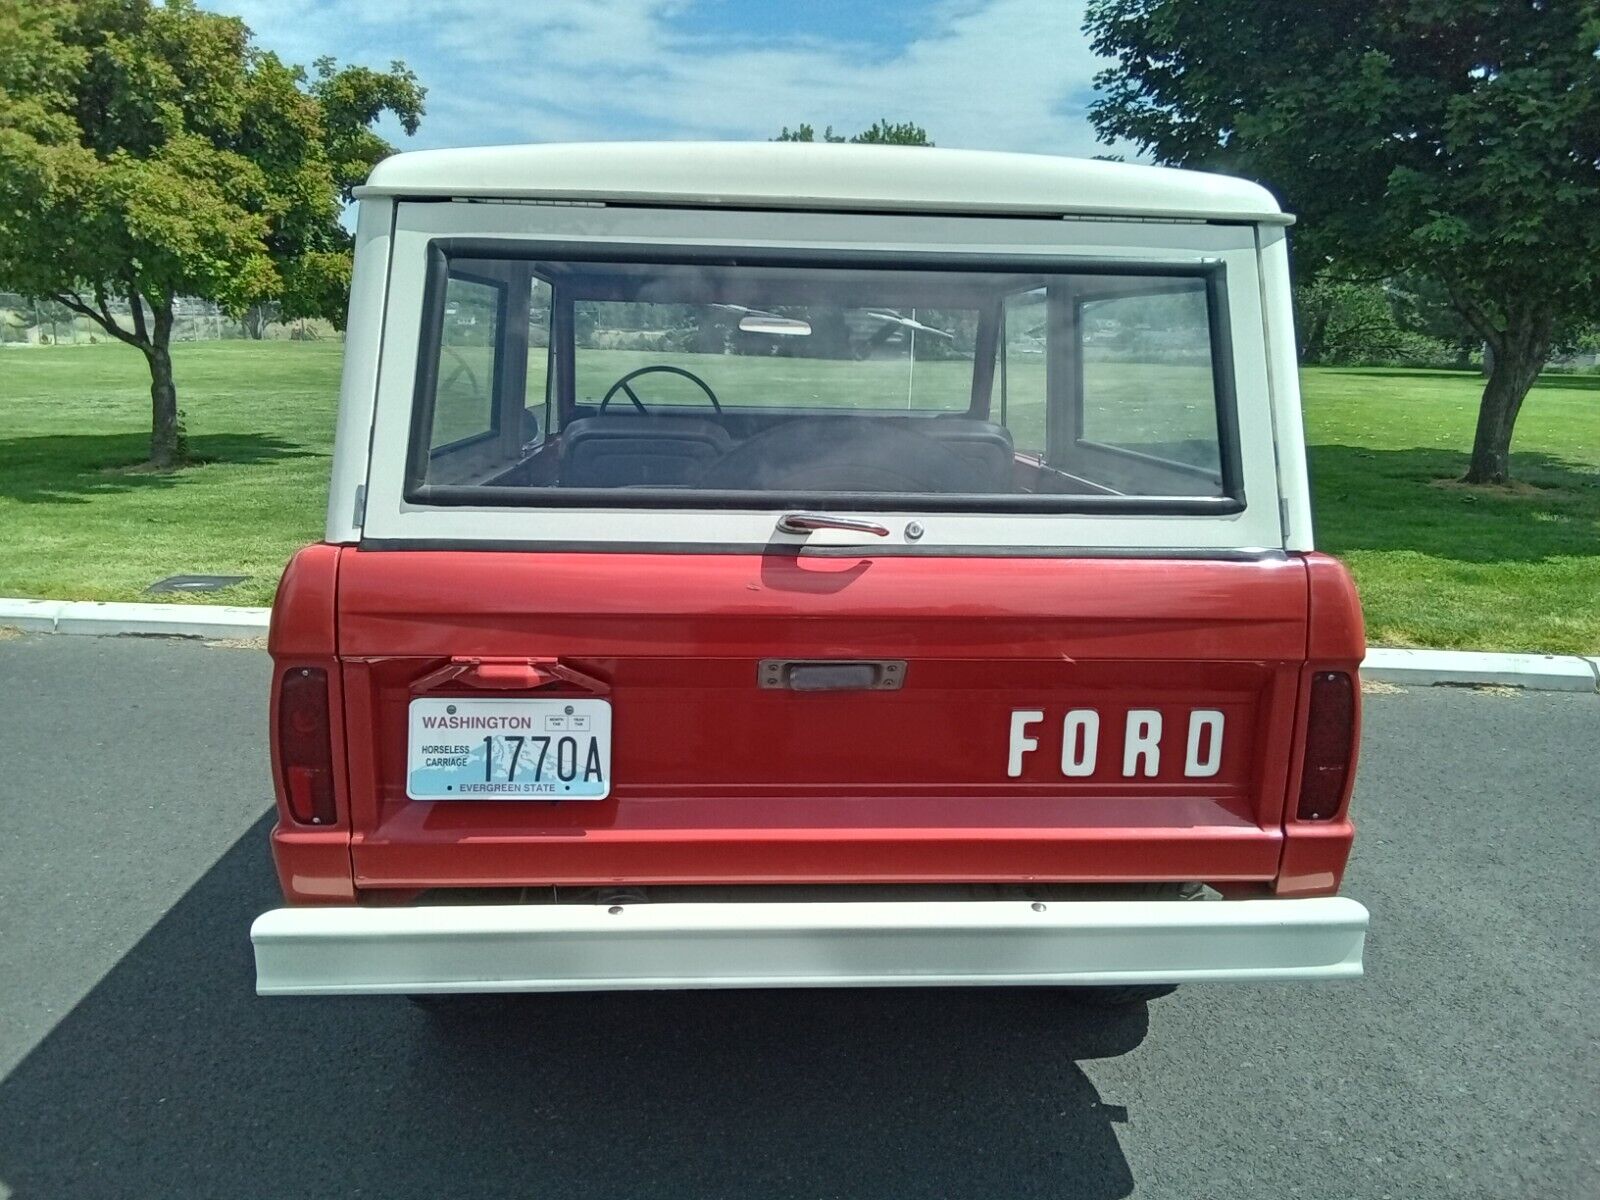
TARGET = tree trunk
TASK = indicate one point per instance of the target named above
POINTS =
(255, 321)
(166, 432)
(1316, 330)
(1517, 358)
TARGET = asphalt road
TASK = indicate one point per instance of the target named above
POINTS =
(136, 1062)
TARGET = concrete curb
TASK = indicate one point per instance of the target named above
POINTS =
(36, 616)
(171, 620)
(1416, 668)
(1538, 672)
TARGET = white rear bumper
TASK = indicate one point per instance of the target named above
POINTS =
(559, 948)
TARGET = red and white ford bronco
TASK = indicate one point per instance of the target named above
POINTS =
(779, 565)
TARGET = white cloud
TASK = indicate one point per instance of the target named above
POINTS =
(997, 74)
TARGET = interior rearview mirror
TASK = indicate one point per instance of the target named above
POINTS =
(768, 323)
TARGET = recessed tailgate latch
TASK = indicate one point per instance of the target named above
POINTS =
(831, 675)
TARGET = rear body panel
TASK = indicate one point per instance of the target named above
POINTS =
(1099, 678)
(964, 617)
(718, 780)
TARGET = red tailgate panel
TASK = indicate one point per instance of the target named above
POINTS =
(720, 781)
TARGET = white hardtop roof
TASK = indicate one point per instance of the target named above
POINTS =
(822, 176)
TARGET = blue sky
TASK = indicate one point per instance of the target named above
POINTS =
(995, 74)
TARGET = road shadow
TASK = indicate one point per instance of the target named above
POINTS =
(71, 468)
(1368, 499)
(172, 1079)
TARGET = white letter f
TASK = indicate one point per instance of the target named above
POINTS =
(1021, 743)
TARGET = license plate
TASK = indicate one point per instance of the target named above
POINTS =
(509, 750)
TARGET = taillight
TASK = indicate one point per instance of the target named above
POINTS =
(305, 746)
(1330, 745)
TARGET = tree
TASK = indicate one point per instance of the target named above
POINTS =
(1345, 321)
(149, 152)
(1457, 140)
(881, 132)
(899, 133)
(805, 133)
(1422, 306)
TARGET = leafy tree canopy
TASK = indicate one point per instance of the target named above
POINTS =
(1454, 139)
(1347, 322)
(151, 151)
(881, 132)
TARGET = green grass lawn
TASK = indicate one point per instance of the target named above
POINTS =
(1442, 565)
(79, 525)
(1438, 565)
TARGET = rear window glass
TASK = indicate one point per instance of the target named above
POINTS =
(852, 358)
(1148, 377)
(469, 340)
(755, 384)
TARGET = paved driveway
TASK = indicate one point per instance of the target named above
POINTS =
(135, 1061)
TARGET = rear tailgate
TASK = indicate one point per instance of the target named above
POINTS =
(719, 779)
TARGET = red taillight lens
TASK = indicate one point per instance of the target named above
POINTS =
(305, 746)
(1330, 745)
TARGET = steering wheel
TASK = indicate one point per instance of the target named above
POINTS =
(621, 385)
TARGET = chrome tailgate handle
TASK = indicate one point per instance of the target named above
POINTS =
(807, 522)
(834, 675)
